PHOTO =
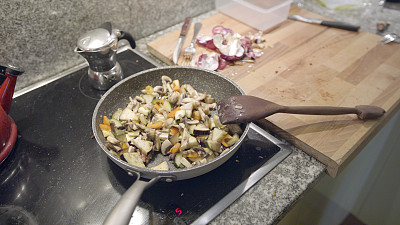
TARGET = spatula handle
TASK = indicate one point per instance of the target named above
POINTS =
(363, 111)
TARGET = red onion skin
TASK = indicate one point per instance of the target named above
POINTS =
(246, 42)
(217, 29)
(223, 60)
(226, 31)
(222, 63)
(210, 45)
(231, 57)
(201, 58)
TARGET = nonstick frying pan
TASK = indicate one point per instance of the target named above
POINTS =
(210, 82)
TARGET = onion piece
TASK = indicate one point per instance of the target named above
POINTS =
(246, 42)
(208, 62)
(222, 63)
(203, 39)
(229, 46)
(226, 31)
(217, 30)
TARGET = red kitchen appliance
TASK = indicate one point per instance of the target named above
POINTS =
(8, 128)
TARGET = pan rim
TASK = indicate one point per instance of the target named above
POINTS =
(159, 173)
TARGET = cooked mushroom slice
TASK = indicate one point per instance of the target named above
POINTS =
(131, 103)
(167, 86)
(142, 127)
(192, 122)
(165, 147)
(139, 99)
(113, 148)
(113, 140)
(179, 128)
(172, 156)
(201, 96)
(168, 123)
(204, 117)
(158, 117)
(211, 106)
(144, 146)
(185, 139)
(181, 97)
(158, 89)
(234, 129)
(200, 150)
(201, 129)
(201, 162)
(194, 102)
(151, 134)
(132, 149)
(135, 107)
(116, 114)
(209, 99)
(131, 126)
(163, 134)
(128, 114)
(166, 79)
(183, 88)
(142, 119)
(192, 92)
(174, 97)
(155, 111)
(208, 107)
(132, 135)
(157, 142)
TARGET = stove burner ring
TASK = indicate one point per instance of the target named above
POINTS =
(83, 87)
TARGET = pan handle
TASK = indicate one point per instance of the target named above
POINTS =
(122, 212)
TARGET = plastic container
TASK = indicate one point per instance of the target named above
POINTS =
(260, 14)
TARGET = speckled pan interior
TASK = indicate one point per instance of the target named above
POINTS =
(206, 81)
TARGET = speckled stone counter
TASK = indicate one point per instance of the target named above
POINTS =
(289, 180)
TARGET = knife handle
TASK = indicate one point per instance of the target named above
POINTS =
(185, 26)
(340, 25)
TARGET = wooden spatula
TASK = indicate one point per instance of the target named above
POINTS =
(243, 109)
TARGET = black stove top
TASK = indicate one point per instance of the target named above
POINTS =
(57, 174)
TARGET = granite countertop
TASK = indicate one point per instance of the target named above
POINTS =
(293, 176)
(289, 179)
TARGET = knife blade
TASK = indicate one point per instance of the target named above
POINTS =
(181, 39)
(335, 24)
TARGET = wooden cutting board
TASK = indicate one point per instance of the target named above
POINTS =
(308, 64)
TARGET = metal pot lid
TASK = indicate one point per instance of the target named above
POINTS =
(95, 40)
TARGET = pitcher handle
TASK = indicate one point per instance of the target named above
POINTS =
(127, 36)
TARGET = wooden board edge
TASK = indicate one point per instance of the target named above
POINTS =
(155, 53)
(346, 159)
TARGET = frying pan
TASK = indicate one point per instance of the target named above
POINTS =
(210, 82)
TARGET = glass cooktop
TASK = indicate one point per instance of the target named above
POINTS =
(57, 174)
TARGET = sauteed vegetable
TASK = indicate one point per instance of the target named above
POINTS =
(171, 119)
